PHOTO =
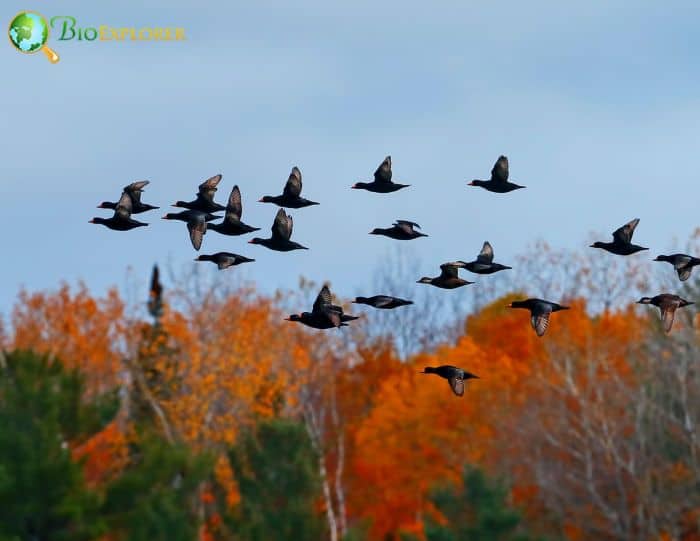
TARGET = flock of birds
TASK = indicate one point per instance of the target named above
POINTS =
(199, 215)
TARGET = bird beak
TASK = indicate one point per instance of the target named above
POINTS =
(354, 186)
(260, 200)
(510, 305)
(471, 183)
(288, 319)
(164, 217)
(250, 241)
(92, 221)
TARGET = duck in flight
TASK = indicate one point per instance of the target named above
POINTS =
(224, 260)
(324, 314)
(454, 375)
(204, 202)
(385, 302)
(382, 180)
(682, 263)
(134, 191)
(483, 264)
(196, 224)
(448, 278)
(281, 235)
(498, 183)
(540, 310)
(622, 241)
(232, 224)
(121, 220)
(667, 304)
(291, 195)
(400, 230)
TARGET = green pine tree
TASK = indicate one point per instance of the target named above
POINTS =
(42, 490)
(275, 467)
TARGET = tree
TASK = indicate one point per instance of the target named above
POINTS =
(275, 468)
(43, 415)
(477, 512)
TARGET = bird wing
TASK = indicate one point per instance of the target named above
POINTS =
(684, 273)
(383, 172)
(382, 300)
(540, 318)
(499, 172)
(124, 207)
(323, 301)
(448, 270)
(406, 226)
(624, 234)
(207, 189)
(137, 186)
(234, 209)
(282, 226)
(668, 313)
(293, 186)
(457, 385)
(197, 228)
(225, 263)
(486, 254)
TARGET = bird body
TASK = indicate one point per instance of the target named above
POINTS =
(453, 374)
(400, 230)
(682, 263)
(291, 195)
(385, 302)
(540, 310)
(204, 202)
(483, 264)
(667, 304)
(382, 180)
(121, 220)
(622, 241)
(231, 224)
(281, 234)
(134, 191)
(224, 260)
(448, 278)
(499, 178)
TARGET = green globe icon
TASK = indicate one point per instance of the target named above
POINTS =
(29, 33)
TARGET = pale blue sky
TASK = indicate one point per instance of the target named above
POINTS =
(597, 106)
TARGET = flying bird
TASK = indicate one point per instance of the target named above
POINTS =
(385, 302)
(224, 260)
(204, 202)
(324, 314)
(281, 234)
(682, 263)
(622, 241)
(483, 264)
(291, 195)
(540, 311)
(232, 224)
(400, 230)
(121, 220)
(498, 182)
(448, 278)
(196, 224)
(134, 191)
(382, 180)
(454, 375)
(155, 294)
(668, 304)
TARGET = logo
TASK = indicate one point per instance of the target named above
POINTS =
(29, 32)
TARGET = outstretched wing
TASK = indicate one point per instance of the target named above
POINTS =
(282, 226)
(124, 207)
(383, 172)
(448, 270)
(323, 301)
(234, 209)
(499, 172)
(684, 273)
(197, 230)
(137, 186)
(540, 318)
(207, 189)
(457, 385)
(624, 233)
(293, 186)
(668, 313)
(406, 226)
(486, 254)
